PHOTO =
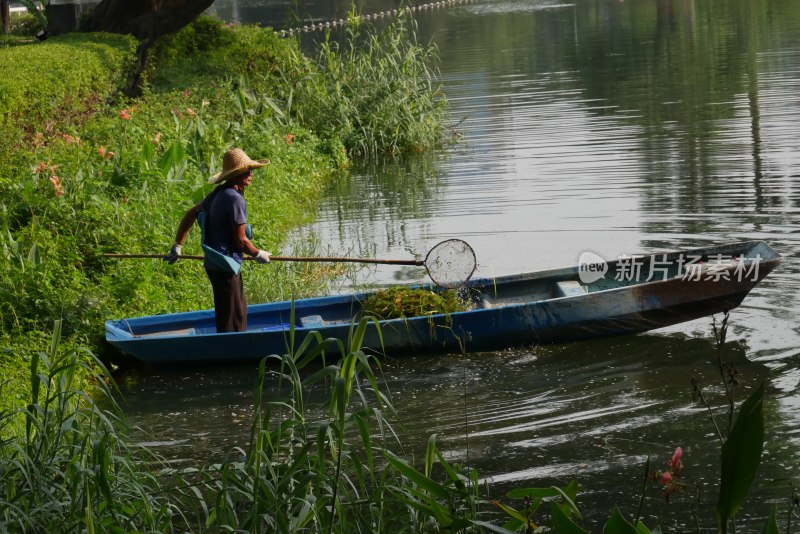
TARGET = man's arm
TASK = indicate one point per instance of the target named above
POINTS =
(183, 230)
(262, 256)
(186, 223)
(244, 244)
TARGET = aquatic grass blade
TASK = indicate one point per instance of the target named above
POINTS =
(563, 524)
(451, 473)
(433, 488)
(430, 453)
(771, 526)
(304, 355)
(569, 501)
(533, 493)
(511, 512)
(363, 428)
(617, 524)
(741, 456)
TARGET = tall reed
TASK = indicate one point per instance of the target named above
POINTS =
(72, 468)
(375, 90)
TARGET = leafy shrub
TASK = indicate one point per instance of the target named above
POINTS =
(56, 81)
(204, 34)
(26, 24)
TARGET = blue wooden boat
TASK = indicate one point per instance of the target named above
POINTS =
(591, 300)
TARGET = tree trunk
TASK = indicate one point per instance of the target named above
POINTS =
(5, 15)
(147, 20)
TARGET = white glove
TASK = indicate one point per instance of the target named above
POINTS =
(263, 256)
(174, 253)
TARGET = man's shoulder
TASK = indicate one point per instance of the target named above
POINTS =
(228, 196)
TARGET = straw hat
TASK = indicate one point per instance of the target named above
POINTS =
(234, 163)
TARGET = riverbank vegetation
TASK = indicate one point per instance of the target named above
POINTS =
(85, 170)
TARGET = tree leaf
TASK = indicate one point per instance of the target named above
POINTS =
(147, 154)
(166, 160)
(741, 456)
(34, 256)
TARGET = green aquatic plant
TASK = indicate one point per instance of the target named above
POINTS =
(403, 302)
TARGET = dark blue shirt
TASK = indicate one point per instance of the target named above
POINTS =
(225, 210)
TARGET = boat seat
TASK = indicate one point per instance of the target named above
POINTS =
(163, 333)
(312, 321)
(275, 327)
(569, 288)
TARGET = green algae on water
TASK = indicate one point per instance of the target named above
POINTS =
(400, 302)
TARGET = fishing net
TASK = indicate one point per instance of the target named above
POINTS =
(451, 263)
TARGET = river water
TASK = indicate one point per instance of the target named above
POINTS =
(617, 127)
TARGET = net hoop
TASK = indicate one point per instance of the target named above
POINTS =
(451, 263)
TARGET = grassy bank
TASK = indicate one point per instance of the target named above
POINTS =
(85, 170)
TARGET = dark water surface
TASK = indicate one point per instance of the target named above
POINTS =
(610, 126)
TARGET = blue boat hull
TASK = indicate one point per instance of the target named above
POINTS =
(535, 308)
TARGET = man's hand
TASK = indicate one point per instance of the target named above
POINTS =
(263, 256)
(174, 253)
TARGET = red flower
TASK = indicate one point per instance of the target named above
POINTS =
(56, 181)
(125, 114)
(675, 464)
(666, 478)
(105, 154)
(71, 139)
(190, 112)
(289, 138)
(49, 167)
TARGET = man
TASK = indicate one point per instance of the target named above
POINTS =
(223, 215)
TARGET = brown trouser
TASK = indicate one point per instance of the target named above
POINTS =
(230, 306)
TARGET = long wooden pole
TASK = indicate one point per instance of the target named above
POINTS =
(328, 259)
